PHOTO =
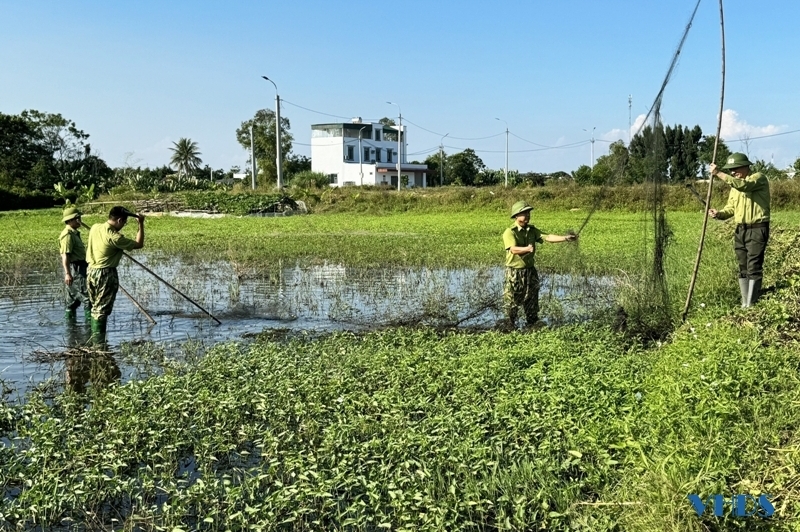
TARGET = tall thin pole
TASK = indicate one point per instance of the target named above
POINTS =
(277, 133)
(399, 134)
(252, 159)
(441, 160)
(278, 137)
(711, 178)
(506, 123)
(630, 125)
(360, 157)
(593, 147)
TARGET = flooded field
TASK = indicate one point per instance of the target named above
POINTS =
(286, 300)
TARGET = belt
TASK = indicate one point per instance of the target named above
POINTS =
(756, 225)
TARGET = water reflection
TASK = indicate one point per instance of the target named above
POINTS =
(85, 364)
(315, 298)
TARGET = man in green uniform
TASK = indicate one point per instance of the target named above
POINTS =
(748, 204)
(73, 260)
(103, 252)
(521, 286)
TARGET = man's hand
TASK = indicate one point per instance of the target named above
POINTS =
(140, 218)
(712, 213)
(712, 169)
(68, 279)
(570, 238)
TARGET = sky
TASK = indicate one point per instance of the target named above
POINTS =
(138, 76)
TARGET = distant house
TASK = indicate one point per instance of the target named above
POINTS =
(355, 153)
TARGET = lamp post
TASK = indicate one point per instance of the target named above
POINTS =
(277, 131)
(506, 149)
(360, 157)
(441, 160)
(586, 130)
(399, 134)
(252, 158)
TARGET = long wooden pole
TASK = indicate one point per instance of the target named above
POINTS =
(187, 298)
(711, 178)
(137, 305)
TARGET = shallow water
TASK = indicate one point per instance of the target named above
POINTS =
(298, 299)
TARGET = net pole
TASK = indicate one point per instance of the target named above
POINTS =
(711, 178)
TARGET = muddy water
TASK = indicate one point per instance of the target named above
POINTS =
(292, 298)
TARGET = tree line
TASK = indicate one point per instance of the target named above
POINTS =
(45, 157)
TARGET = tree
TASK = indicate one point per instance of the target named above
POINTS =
(706, 153)
(386, 121)
(264, 140)
(185, 156)
(437, 168)
(772, 172)
(583, 175)
(296, 164)
(59, 136)
(20, 151)
(464, 167)
(612, 167)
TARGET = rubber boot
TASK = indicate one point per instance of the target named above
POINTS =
(99, 331)
(744, 288)
(753, 291)
(69, 314)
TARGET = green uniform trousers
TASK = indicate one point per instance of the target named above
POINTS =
(750, 243)
(77, 292)
(102, 286)
(521, 288)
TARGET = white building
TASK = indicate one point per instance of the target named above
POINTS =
(355, 153)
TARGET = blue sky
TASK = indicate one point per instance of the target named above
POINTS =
(138, 76)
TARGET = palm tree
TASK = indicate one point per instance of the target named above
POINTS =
(185, 156)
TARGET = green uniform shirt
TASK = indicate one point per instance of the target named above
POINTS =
(70, 242)
(514, 236)
(748, 201)
(105, 246)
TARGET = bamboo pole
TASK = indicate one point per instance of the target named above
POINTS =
(711, 179)
(137, 305)
(187, 298)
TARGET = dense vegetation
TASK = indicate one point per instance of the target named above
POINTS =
(416, 429)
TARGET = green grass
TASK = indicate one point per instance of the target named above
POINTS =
(575, 428)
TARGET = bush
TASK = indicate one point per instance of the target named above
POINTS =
(309, 179)
(16, 198)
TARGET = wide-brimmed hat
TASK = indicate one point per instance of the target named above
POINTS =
(70, 213)
(736, 160)
(520, 207)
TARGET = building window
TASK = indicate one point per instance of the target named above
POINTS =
(389, 155)
(366, 154)
(333, 178)
(378, 152)
(378, 135)
(350, 153)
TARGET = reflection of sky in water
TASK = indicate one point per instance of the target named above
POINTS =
(314, 298)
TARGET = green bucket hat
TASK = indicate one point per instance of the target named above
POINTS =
(70, 213)
(736, 160)
(520, 207)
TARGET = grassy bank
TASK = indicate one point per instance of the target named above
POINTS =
(574, 428)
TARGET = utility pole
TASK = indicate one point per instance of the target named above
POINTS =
(277, 132)
(586, 130)
(441, 160)
(399, 135)
(360, 157)
(630, 125)
(506, 123)
(252, 158)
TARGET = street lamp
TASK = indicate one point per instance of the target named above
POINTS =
(399, 133)
(360, 157)
(277, 131)
(506, 149)
(441, 160)
(586, 130)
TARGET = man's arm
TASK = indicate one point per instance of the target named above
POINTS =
(556, 239)
(140, 233)
(67, 273)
